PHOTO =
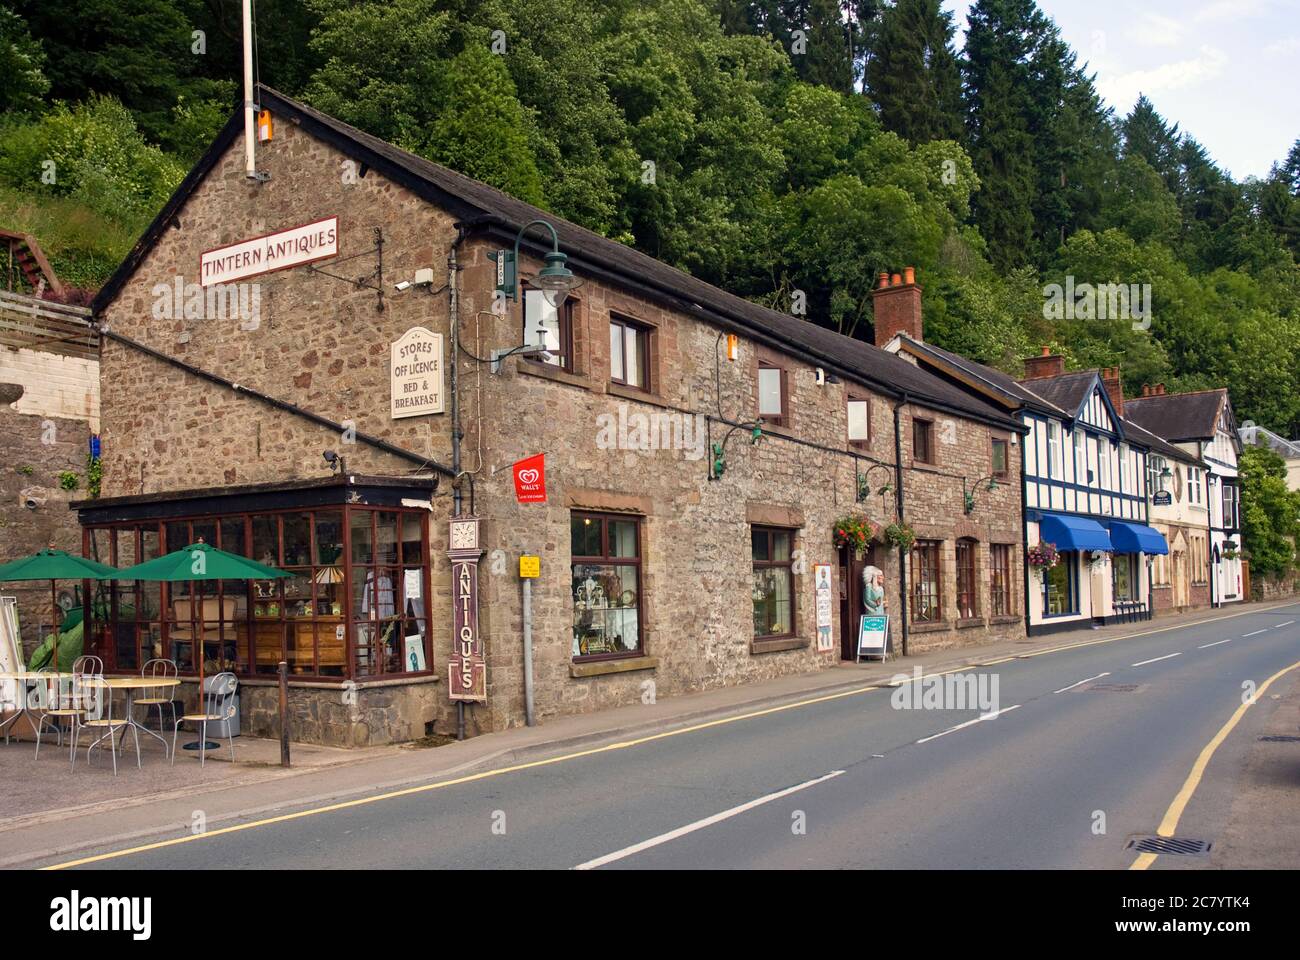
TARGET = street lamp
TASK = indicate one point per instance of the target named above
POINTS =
(968, 494)
(554, 279)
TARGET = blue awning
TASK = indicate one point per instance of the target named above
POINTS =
(1073, 533)
(1137, 538)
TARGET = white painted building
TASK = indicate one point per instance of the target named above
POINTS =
(1203, 423)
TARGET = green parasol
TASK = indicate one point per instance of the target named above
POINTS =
(199, 561)
(53, 565)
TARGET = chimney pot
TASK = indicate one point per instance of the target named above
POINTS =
(884, 281)
(896, 280)
(909, 275)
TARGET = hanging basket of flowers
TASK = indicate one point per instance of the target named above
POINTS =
(855, 532)
(900, 535)
(1042, 556)
(1100, 557)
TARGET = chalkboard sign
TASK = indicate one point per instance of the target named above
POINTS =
(1163, 498)
(873, 637)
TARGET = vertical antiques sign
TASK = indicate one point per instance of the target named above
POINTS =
(415, 372)
(467, 668)
(822, 588)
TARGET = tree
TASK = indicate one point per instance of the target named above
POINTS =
(1270, 512)
(141, 52)
(21, 62)
(1000, 40)
(913, 76)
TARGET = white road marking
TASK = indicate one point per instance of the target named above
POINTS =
(1143, 663)
(969, 723)
(1081, 682)
(701, 824)
(1281, 625)
(1206, 646)
(1254, 633)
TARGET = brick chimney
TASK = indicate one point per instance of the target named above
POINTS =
(896, 302)
(1046, 364)
(1110, 380)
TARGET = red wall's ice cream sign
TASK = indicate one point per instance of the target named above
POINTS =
(275, 251)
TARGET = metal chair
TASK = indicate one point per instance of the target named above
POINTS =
(216, 705)
(68, 703)
(163, 668)
(98, 702)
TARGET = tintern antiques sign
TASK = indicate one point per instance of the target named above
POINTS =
(415, 386)
(275, 251)
(467, 668)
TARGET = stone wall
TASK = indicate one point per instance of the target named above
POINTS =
(35, 447)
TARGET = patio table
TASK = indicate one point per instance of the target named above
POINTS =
(132, 684)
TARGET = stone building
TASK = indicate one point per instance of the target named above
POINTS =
(49, 410)
(314, 368)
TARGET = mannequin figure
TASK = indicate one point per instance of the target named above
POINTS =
(874, 601)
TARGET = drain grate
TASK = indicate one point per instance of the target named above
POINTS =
(1113, 687)
(1183, 846)
(1280, 738)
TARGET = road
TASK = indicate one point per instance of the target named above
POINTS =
(1090, 746)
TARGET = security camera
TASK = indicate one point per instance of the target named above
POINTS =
(31, 502)
(404, 285)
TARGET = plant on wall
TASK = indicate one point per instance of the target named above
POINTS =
(69, 479)
(900, 535)
(855, 531)
(1043, 556)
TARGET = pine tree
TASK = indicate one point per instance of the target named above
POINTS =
(913, 76)
(1147, 135)
(1000, 40)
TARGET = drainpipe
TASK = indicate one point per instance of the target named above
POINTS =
(453, 320)
(898, 502)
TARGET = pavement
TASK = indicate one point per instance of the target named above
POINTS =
(573, 790)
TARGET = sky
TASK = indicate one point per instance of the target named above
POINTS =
(1226, 71)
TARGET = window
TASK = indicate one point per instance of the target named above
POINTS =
(1103, 461)
(1123, 468)
(1058, 586)
(1000, 583)
(1080, 458)
(859, 414)
(606, 558)
(773, 592)
(557, 327)
(771, 392)
(629, 353)
(1054, 449)
(1123, 570)
(377, 592)
(1194, 488)
(1229, 507)
(926, 595)
(1001, 458)
(967, 602)
(922, 441)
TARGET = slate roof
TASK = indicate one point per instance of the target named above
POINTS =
(1178, 417)
(484, 209)
(1137, 434)
(991, 378)
(1067, 391)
